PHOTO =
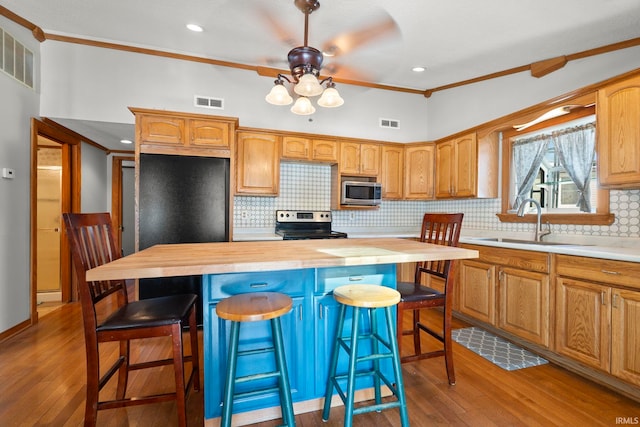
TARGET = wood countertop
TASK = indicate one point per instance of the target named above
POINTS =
(233, 257)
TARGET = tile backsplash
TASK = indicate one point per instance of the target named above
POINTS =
(308, 187)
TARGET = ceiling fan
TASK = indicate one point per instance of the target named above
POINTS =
(305, 62)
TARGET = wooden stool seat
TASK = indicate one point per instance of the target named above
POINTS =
(254, 307)
(369, 296)
(368, 299)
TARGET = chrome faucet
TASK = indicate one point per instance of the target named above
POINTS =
(539, 231)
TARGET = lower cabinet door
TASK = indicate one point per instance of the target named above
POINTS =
(582, 321)
(327, 310)
(254, 336)
(524, 304)
(625, 335)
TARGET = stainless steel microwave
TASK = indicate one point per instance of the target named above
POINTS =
(361, 193)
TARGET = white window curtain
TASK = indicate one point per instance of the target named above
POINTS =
(527, 157)
(576, 150)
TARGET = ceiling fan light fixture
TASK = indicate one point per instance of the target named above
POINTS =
(330, 97)
(279, 95)
(303, 107)
(308, 85)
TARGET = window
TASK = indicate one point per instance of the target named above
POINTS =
(555, 163)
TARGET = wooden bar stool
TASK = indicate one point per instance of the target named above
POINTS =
(253, 307)
(371, 298)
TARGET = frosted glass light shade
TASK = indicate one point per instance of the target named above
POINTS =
(279, 95)
(303, 107)
(308, 85)
(330, 98)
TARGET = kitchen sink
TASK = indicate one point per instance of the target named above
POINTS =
(524, 242)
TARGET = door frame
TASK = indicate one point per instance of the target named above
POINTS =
(70, 144)
(116, 194)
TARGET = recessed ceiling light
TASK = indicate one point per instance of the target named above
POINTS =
(195, 28)
(126, 141)
(418, 69)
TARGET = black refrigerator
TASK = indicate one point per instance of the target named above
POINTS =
(181, 199)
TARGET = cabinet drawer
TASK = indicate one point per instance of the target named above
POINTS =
(330, 278)
(599, 270)
(290, 282)
(525, 260)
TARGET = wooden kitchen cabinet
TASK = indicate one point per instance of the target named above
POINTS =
(359, 158)
(419, 171)
(477, 297)
(257, 163)
(524, 304)
(309, 149)
(582, 321)
(598, 307)
(618, 134)
(456, 167)
(392, 172)
(507, 288)
(163, 132)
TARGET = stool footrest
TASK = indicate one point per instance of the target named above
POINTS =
(256, 351)
(254, 377)
(259, 392)
(379, 407)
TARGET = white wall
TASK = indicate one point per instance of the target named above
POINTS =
(18, 104)
(453, 110)
(81, 82)
(95, 192)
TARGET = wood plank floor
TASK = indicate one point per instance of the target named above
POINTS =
(42, 376)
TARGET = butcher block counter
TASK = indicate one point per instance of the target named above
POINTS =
(307, 271)
(231, 257)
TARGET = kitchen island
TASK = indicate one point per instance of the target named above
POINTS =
(306, 270)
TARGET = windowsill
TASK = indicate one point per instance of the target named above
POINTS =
(555, 218)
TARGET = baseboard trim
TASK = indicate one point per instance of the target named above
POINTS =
(266, 414)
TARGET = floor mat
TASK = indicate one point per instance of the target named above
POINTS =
(495, 349)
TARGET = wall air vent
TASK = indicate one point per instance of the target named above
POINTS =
(389, 123)
(209, 102)
(15, 59)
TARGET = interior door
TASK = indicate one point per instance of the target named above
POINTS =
(49, 208)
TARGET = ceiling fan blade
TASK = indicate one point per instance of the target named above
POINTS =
(276, 28)
(349, 41)
(341, 71)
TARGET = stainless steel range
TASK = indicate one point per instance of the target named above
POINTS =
(298, 225)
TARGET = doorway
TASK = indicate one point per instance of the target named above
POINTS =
(55, 155)
(49, 208)
(123, 202)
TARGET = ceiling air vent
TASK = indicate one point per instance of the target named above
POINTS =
(389, 123)
(209, 102)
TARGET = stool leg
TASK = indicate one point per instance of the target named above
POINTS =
(232, 361)
(285, 390)
(333, 365)
(351, 377)
(375, 350)
(404, 417)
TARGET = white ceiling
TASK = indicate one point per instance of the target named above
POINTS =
(455, 40)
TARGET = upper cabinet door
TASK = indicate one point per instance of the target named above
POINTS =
(392, 171)
(324, 150)
(618, 134)
(350, 158)
(162, 130)
(419, 164)
(209, 133)
(445, 154)
(466, 167)
(369, 159)
(295, 148)
(258, 163)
